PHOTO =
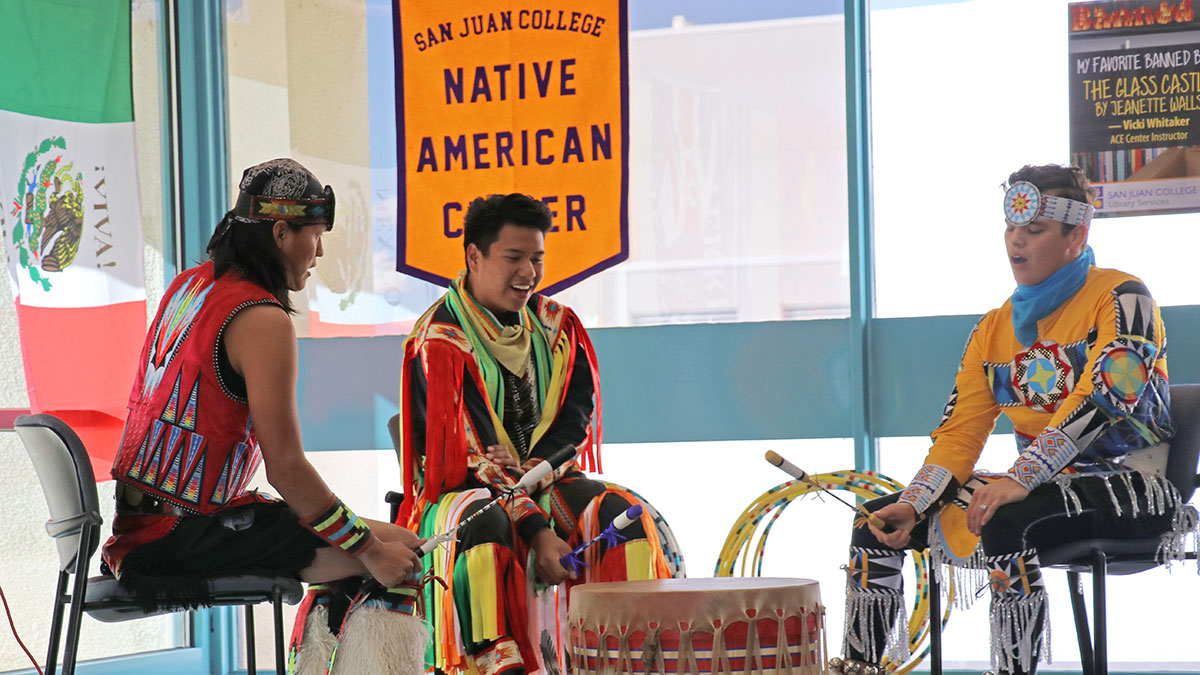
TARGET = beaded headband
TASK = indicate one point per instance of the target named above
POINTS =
(1024, 203)
(258, 208)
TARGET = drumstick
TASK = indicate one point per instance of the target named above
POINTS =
(800, 475)
(528, 481)
(573, 561)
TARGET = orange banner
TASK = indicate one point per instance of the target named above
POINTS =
(498, 97)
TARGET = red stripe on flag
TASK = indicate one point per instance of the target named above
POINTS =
(80, 363)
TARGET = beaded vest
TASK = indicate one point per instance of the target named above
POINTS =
(188, 439)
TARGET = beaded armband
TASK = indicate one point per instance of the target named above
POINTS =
(1049, 453)
(338, 525)
(925, 488)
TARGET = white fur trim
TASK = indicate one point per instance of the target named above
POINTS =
(317, 644)
(375, 640)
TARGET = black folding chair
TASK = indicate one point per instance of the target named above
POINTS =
(67, 481)
(1102, 557)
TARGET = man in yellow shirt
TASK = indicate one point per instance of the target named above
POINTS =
(1077, 360)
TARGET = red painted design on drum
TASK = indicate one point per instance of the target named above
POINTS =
(801, 648)
(700, 626)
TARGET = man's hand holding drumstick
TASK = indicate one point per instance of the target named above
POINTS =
(885, 523)
(549, 548)
(902, 517)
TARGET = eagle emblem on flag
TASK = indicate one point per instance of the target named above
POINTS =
(49, 211)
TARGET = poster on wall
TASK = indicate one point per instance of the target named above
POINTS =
(518, 96)
(1135, 104)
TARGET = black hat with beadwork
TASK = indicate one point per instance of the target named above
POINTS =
(282, 189)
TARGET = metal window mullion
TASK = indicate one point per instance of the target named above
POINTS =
(861, 225)
(201, 160)
(195, 168)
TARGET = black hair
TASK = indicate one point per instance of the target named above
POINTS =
(487, 215)
(1057, 181)
(250, 250)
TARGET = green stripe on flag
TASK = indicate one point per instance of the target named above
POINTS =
(66, 59)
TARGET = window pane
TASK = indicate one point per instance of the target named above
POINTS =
(951, 119)
(946, 132)
(703, 488)
(147, 113)
(1166, 263)
(708, 487)
(737, 184)
(709, 484)
(288, 98)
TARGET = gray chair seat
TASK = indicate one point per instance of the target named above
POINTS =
(110, 601)
(1125, 556)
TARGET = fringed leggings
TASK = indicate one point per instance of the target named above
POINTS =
(1115, 507)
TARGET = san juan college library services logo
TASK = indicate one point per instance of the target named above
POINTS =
(48, 209)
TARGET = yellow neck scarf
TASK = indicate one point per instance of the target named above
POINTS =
(507, 344)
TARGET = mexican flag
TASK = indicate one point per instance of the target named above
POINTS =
(71, 221)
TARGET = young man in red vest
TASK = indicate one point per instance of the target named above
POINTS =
(215, 396)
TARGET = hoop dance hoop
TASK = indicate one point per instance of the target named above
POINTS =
(741, 551)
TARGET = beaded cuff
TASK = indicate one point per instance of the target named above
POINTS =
(338, 525)
(924, 489)
(1048, 454)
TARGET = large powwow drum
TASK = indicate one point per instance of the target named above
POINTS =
(698, 626)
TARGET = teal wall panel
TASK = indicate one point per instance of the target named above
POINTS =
(1183, 342)
(341, 384)
(201, 158)
(914, 364)
(706, 382)
(659, 384)
(786, 379)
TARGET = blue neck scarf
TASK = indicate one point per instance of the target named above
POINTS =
(1031, 304)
